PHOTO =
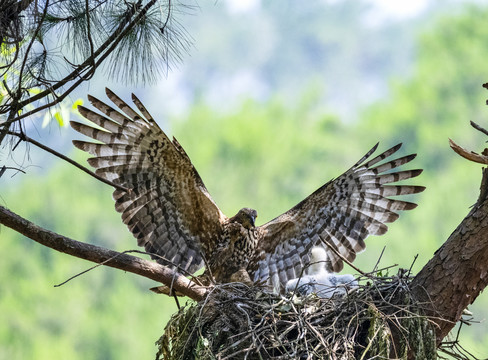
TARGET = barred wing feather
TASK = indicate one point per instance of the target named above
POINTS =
(340, 214)
(168, 209)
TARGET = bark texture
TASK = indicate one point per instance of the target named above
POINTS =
(458, 272)
(133, 264)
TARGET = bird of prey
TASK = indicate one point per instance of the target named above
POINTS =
(170, 212)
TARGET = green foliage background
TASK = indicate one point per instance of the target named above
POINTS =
(266, 155)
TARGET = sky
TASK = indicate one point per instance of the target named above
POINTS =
(400, 8)
(386, 8)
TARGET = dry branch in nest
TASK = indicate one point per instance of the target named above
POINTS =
(471, 155)
(240, 322)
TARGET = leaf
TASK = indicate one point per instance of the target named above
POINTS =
(6, 50)
(76, 103)
(59, 118)
(34, 90)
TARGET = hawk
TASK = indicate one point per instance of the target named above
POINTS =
(170, 212)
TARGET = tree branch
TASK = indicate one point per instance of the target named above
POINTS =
(24, 137)
(469, 155)
(133, 264)
(81, 73)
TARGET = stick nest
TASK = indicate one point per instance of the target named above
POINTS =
(240, 322)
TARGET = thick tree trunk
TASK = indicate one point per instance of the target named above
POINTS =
(458, 272)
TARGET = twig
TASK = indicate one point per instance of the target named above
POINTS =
(470, 155)
(478, 127)
(177, 301)
(379, 259)
(24, 137)
(341, 256)
(411, 266)
(370, 342)
(99, 264)
(5, 168)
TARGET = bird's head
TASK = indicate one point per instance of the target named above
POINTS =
(246, 217)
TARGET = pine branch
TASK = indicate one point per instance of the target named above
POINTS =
(96, 254)
(133, 16)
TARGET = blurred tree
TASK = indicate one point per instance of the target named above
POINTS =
(419, 112)
(334, 45)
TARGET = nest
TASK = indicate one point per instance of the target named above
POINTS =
(240, 322)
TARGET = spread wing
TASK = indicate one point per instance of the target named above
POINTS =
(340, 214)
(168, 209)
